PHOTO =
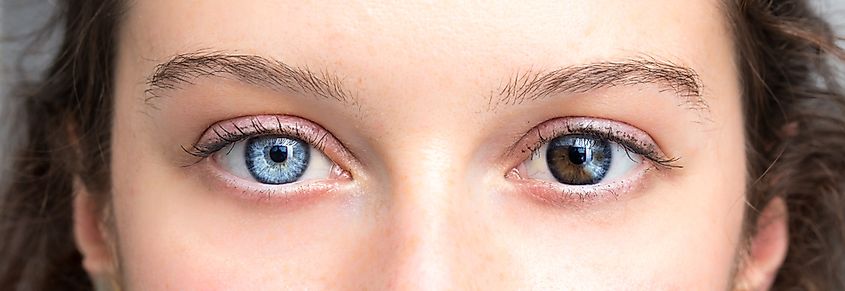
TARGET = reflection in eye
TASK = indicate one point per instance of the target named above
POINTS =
(577, 159)
(275, 160)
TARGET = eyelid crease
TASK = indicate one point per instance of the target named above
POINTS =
(584, 126)
(217, 137)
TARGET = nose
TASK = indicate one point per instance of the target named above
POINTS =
(438, 233)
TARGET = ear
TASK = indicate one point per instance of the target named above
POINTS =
(768, 247)
(91, 235)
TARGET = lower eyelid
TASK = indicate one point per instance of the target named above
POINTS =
(624, 187)
(568, 196)
(215, 176)
(221, 181)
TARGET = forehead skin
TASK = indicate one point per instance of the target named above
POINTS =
(422, 73)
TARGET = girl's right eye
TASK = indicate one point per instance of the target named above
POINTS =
(275, 160)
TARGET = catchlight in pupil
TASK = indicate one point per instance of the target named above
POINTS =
(276, 159)
(279, 154)
(583, 153)
(578, 155)
(579, 159)
(263, 150)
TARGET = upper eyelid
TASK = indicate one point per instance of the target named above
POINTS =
(217, 136)
(588, 125)
(253, 131)
(204, 147)
(646, 151)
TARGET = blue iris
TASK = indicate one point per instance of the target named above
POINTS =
(579, 159)
(276, 160)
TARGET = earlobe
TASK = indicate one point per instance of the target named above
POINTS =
(90, 234)
(768, 246)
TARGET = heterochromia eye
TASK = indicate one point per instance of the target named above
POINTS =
(275, 160)
(581, 160)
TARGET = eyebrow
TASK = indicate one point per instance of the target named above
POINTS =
(532, 85)
(529, 85)
(183, 69)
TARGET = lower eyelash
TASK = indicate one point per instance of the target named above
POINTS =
(583, 196)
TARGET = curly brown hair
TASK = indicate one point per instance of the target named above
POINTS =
(794, 112)
(793, 105)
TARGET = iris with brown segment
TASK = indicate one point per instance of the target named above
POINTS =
(578, 159)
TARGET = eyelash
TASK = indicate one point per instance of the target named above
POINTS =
(226, 138)
(627, 141)
(217, 137)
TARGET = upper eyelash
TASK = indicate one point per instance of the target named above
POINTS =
(630, 144)
(226, 138)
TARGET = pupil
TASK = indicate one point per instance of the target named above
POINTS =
(577, 155)
(279, 153)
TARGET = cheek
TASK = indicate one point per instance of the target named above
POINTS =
(175, 233)
(660, 243)
(681, 232)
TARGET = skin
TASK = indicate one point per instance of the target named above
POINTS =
(428, 203)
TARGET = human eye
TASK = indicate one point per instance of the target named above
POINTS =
(275, 160)
(579, 159)
(274, 156)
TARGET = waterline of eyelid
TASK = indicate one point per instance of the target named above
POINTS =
(572, 196)
(295, 192)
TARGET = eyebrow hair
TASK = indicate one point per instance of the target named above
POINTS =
(532, 85)
(529, 85)
(183, 69)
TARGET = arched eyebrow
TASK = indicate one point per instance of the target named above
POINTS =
(529, 85)
(184, 69)
(533, 85)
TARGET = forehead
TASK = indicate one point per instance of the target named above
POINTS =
(426, 34)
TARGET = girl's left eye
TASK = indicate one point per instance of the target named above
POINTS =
(577, 159)
(274, 160)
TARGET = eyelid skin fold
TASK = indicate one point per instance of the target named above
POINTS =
(222, 136)
(633, 140)
(225, 133)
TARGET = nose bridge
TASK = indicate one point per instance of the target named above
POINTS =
(427, 187)
(425, 171)
(426, 151)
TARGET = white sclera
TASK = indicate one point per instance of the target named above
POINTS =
(621, 163)
(233, 160)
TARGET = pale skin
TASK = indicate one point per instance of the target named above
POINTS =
(428, 192)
